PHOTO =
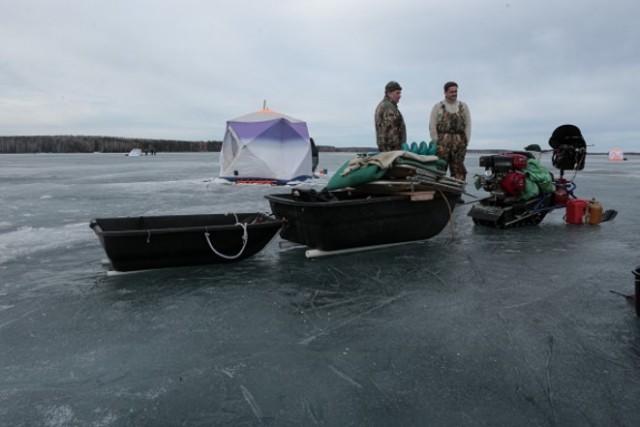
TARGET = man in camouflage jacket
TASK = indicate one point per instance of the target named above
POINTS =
(391, 131)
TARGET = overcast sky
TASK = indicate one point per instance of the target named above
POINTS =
(180, 69)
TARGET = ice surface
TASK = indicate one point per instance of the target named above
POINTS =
(474, 327)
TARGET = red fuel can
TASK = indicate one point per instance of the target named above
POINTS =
(576, 211)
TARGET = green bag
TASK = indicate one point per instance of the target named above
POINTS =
(359, 176)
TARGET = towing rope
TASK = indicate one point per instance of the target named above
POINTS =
(245, 239)
(452, 226)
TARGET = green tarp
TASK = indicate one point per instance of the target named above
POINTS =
(538, 179)
(356, 177)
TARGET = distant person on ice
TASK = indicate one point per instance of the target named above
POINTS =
(391, 131)
(450, 127)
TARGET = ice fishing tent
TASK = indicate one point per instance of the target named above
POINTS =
(616, 155)
(266, 146)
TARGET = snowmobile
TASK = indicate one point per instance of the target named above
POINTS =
(508, 179)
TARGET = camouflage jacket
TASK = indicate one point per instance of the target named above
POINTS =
(391, 131)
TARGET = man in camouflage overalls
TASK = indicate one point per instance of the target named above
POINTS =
(450, 127)
(391, 131)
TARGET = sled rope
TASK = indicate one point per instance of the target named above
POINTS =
(451, 225)
(245, 239)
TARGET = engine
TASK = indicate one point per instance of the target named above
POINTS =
(503, 176)
(511, 203)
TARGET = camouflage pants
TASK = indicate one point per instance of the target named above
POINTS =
(452, 147)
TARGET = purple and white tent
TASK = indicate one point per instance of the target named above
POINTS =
(266, 146)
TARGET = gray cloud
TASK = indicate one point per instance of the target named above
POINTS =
(180, 69)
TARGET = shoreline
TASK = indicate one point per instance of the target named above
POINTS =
(108, 144)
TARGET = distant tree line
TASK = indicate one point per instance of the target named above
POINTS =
(110, 144)
(101, 144)
(332, 149)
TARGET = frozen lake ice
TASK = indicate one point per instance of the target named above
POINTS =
(474, 327)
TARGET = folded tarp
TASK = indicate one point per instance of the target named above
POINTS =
(364, 169)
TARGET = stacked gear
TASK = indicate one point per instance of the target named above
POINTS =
(395, 171)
